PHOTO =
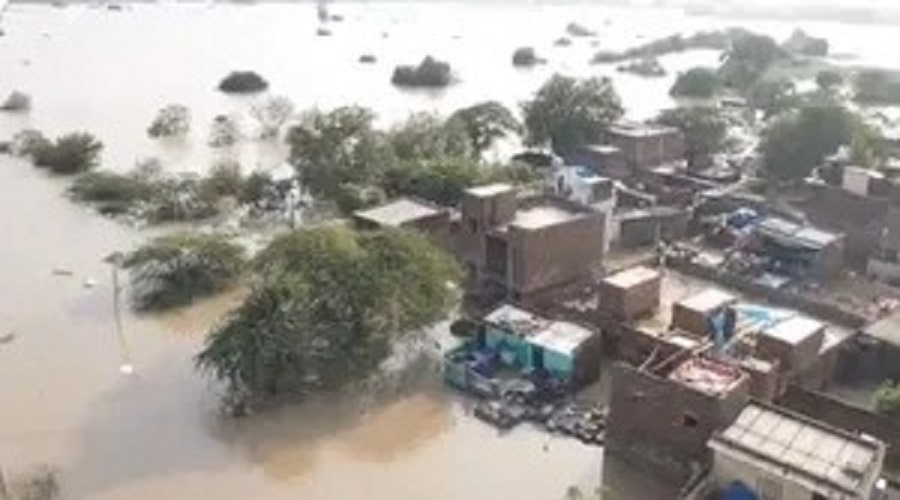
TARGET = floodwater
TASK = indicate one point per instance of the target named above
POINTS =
(157, 434)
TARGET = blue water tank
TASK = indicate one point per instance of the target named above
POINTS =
(738, 491)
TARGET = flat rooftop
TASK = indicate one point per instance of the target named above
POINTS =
(562, 337)
(707, 376)
(637, 130)
(558, 336)
(542, 215)
(796, 234)
(886, 330)
(398, 212)
(794, 329)
(830, 461)
(489, 190)
(631, 277)
(522, 322)
(708, 300)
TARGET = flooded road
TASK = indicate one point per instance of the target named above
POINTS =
(157, 434)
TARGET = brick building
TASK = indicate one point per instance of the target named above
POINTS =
(646, 146)
(664, 417)
(512, 248)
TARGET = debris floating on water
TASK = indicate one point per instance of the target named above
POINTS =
(61, 271)
(90, 283)
(126, 368)
(9, 337)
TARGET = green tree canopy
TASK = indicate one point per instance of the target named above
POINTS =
(773, 96)
(329, 305)
(336, 148)
(748, 59)
(798, 141)
(828, 79)
(705, 129)
(567, 112)
(485, 123)
(887, 399)
(174, 270)
(173, 120)
(424, 136)
(696, 82)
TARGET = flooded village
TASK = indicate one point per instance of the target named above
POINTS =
(445, 251)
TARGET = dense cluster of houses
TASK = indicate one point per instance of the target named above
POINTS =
(720, 387)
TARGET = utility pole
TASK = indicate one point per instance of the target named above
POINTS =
(126, 366)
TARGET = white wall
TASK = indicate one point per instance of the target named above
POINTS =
(727, 470)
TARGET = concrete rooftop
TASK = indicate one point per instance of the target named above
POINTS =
(489, 190)
(630, 277)
(542, 216)
(398, 212)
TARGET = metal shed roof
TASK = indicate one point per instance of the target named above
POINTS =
(823, 459)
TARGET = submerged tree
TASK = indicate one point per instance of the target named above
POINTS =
(567, 112)
(243, 82)
(272, 113)
(225, 131)
(748, 59)
(41, 483)
(328, 309)
(173, 120)
(175, 270)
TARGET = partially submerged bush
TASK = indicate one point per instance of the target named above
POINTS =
(525, 57)
(173, 120)
(115, 193)
(804, 44)
(575, 29)
(272, 113)
(649, 67)
(243, 82)
(38, 484)
(16, 102)
(224, 132)
(180, 199)
(28, 142)
(429, 73)
(175, 270)
(70, 154)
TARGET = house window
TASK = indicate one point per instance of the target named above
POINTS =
(473, 224)
(638, 396)
(818, 496)
(769, 489)
(689, 420)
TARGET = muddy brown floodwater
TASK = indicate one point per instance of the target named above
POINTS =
(157, 434)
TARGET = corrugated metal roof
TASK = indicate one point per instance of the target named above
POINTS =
(825, 460)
